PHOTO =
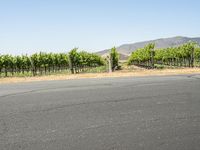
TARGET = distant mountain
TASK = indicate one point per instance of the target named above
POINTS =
(127, 49)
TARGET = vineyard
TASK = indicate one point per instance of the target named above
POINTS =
(186, 55)
(48, 63)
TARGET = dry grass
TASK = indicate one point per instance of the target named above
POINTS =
(123, 73)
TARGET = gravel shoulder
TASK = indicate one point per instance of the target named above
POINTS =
(122, 73)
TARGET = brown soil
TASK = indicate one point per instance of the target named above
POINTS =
(123, 73)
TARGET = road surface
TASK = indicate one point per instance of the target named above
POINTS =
(138, 113)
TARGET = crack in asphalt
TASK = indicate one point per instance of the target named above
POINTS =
(54, 88)
(95, 102)
(3, 127)
(196, 76)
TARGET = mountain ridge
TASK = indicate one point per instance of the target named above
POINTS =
(127, 49)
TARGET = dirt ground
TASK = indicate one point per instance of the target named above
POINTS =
(123, 73)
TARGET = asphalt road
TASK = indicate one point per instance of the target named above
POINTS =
(143, 113)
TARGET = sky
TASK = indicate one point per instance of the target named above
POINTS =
(29, 26)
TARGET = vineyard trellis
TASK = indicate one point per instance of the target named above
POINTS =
(79, 61)
(46, 63)
(186, 55)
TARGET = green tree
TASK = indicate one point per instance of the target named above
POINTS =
(1, 64)
(114, 58)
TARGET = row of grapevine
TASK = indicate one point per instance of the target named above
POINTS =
(43, 63)
(187, 55)
(78, 61)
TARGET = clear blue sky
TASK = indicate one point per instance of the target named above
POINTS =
(27, 26)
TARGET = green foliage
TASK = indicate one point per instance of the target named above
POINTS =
(142, 55)
(114, 57)
(79, 61)
(1, 63)
(74, 59)
(197, 54)
(43, 63)
(183, 55)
